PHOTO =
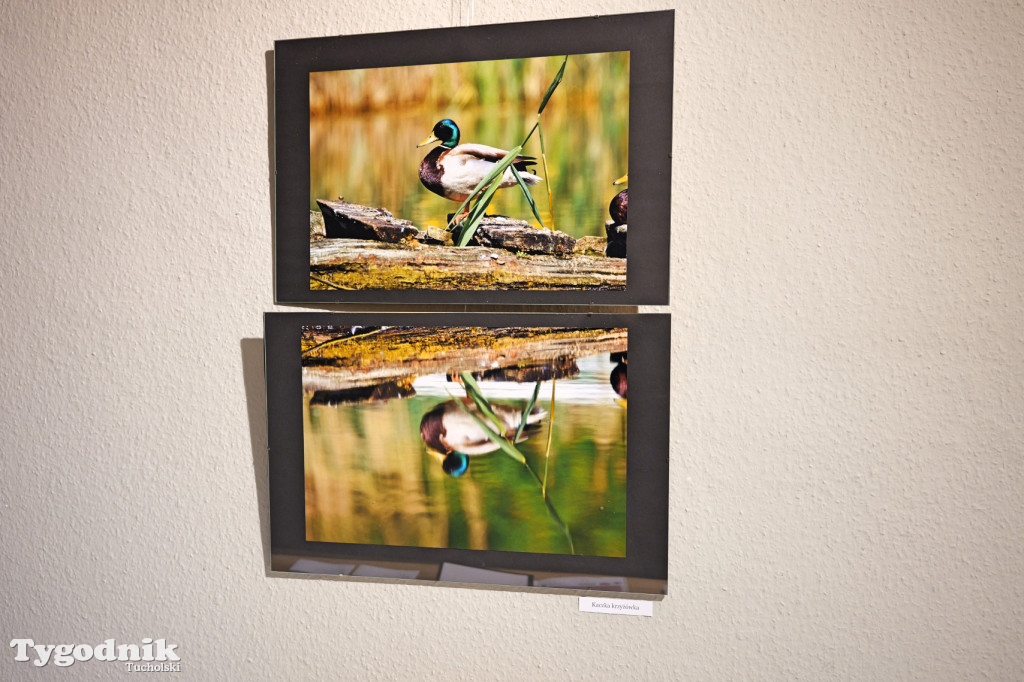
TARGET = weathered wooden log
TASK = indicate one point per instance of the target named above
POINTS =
(365, 394)
(515, 235)
(359, 264)
(316, 225)
(370, 258)
(337, 362)
(353, 221)
(557, 368)
(590, 246)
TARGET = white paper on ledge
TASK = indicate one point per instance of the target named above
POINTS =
(321, 567)
(371, 571)
(457, 573)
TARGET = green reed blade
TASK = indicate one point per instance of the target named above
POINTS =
(547, 175)
(483, 196)
(551, 434)
(476, 214)
(554, 84)
(530, 134)
(499, 168)
(477, 396)
(467, 228)
(473, 390)
(526, 412)
(561, 524)
(526, 193)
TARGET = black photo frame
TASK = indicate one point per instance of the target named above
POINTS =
(644, 567)
(647, 36)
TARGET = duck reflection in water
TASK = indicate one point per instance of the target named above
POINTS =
(453, 436)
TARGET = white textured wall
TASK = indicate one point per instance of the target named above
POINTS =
(848, 439)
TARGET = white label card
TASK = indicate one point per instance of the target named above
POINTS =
(622, 607)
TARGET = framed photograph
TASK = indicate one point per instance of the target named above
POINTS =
(471, 448)
(499, 163)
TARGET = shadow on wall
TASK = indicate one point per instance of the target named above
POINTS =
(256, 407)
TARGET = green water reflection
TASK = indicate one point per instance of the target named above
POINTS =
(371, 479)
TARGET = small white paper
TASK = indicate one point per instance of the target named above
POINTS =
(621, 607)
(457, 573)
(321, 567)
(371, 571)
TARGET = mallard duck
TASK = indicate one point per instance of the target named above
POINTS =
(452, 435)
(617, 209)
(453, 170)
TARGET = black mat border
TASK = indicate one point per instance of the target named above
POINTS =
(647, 444)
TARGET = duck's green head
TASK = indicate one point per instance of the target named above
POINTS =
(455, 464)
(445, 131)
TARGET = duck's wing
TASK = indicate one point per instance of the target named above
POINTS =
(491, 154)
(473, 446)
(466, 166)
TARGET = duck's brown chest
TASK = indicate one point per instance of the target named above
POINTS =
(431, 171)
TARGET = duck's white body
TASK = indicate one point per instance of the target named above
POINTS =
(448, 428)
(462, 168)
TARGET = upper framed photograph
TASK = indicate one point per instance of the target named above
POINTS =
(490, 164)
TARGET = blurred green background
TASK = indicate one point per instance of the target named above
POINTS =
(365, 125)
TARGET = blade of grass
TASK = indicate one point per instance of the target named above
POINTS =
(547, 450)
(468, 226)
(512, 451)
(483, 196)
(547, 176)
(554, 84)
(526, 193)
(472, 195)
(499, 169)
(530, 134)
(477, 396)
(561, 524)
(526, 412)
(547, 96)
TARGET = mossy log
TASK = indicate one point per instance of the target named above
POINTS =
(360, 264)
(367, 259)
(336, 360)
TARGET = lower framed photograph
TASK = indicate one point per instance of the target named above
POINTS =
(470, 448)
